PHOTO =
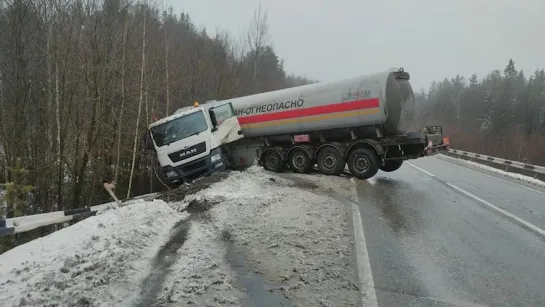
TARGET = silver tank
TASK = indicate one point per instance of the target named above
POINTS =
(385, 99)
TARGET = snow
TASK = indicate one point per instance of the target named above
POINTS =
(255, 235)
(298, 240)
(98, 260)
(200, 275)
(519, 177)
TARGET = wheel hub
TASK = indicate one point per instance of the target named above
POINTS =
(329, 161)
(298, 160)
(361, 164)
(272, 160)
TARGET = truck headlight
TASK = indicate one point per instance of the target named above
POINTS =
(215, 158)
(171, 174)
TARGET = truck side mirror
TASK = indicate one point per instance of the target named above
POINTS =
(213, 119)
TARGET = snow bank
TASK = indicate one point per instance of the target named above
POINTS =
(299, 241)
(99, 261)
(282, 228)
(515, 176)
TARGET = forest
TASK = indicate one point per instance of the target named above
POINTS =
(81, 80)
(501, 115)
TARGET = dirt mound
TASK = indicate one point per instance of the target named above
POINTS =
(200, 205)
(182, 191)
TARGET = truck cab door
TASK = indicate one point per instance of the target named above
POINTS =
(226, 128)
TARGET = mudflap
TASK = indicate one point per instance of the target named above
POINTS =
(433, 149)
(436, 141)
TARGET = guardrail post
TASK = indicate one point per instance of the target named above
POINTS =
(110, 186)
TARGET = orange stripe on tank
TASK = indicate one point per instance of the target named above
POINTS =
(311, 111)
(307, 119)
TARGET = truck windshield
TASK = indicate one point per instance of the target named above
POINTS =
(179, 128)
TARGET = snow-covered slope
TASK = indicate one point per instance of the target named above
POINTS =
(102, 258)
(253, 236)
(297, 240)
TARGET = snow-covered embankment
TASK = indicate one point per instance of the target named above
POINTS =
(251, 237)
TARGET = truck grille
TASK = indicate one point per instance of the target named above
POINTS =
(187, 152)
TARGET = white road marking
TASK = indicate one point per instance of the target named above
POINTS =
(418, 168)
(516, 218)
(367, 285)
(524, 223)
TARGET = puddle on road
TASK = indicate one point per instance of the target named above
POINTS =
(258, 290)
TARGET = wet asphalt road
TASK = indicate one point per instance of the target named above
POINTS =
(431, 245)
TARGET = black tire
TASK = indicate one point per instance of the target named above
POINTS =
(272, 161)
(363, 163)
(330, 161)
(300, 161)
(391, 165)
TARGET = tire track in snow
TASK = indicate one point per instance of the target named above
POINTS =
(166, 256)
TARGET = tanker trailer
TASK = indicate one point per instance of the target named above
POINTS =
(360, 122)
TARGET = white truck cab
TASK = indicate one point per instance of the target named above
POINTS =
(188, 143)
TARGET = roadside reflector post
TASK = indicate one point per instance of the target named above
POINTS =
(110, 186)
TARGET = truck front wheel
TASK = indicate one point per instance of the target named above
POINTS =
(363, 163)
(330, 161)
(272, 161)
(391, 165)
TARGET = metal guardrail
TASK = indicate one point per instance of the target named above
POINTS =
(535, 171)
(25, 223)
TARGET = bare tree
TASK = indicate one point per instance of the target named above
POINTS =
(166, 66)
(119, 124)
(139, 105)
(258, 37)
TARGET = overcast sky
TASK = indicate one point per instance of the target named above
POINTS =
(431, 39)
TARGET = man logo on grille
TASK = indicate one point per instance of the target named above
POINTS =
(188, 152)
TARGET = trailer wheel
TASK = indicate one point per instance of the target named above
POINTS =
(300, 161)
(330, 161)
(391, 165)
(363, 163)
(272, 161)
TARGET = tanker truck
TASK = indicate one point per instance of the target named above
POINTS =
(361, 123)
